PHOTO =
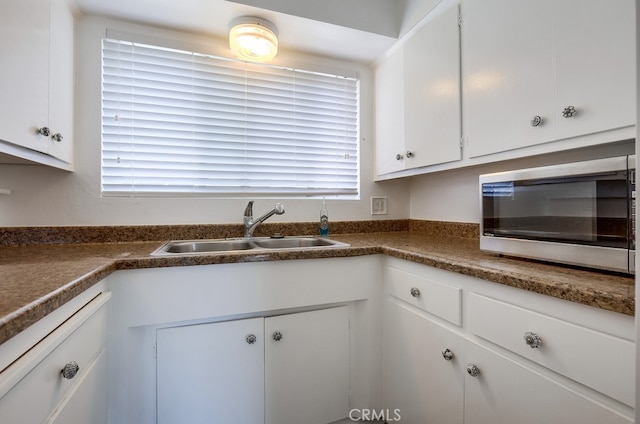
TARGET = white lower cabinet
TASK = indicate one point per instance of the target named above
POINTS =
(282, 369)
(304, 342)
(555, 363)
(87, 401)
(506, 391)
(203, 348)
(34, 388)
(429, 377)
(211, 373)
(307, 367)
(422, 374)
(593, 358)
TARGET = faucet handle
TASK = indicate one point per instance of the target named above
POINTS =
(278, 208)
(248, 211)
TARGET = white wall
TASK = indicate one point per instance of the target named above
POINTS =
(414, 12)
(453, 195)
(48, 197)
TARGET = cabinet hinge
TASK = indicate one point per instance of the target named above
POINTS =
(461, 144)
(155, 350)
(460, 19)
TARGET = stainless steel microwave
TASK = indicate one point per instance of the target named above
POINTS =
(581, 213)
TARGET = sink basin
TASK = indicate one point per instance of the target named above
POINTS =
(185, 247)
(198, 246)
(291, 242)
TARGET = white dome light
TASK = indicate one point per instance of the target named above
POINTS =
(253, 39)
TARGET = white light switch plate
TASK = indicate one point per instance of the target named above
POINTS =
(378, 206)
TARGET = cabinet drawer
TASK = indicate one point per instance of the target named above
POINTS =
(37, 374)
(87, 401)
(598, 360)
(431, 296)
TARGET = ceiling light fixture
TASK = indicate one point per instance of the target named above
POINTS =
(253, 39)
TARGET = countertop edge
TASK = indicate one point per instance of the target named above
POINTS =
(20, 319)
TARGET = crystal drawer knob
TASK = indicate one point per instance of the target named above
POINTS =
(532, 339)
(251, 338)
(57, 137)
(70, 370)
(569, 112)
(45, 131)
(409, 154)
(535, 121)
(277, 336)
(415, 292)
(473, 370)
(399, 157)
(447, 354)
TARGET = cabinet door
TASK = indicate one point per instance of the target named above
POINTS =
(61, 80)
(506, 392)
(24, 74)
(432, 92)
(210, 373)
(307, 367)
(418, 382)
(595, 65)
(507, 61)
(389, 103)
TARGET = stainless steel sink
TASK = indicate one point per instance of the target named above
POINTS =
(291, 242)
(198, 246)
(185, 247)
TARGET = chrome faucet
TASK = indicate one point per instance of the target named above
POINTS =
(250, 224)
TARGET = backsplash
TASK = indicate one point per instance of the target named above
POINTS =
(20, 236)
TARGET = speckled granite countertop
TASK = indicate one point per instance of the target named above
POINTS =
(36, 279)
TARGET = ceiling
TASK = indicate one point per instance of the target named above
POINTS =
(358, 30)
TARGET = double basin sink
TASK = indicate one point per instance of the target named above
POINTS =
(184, 247)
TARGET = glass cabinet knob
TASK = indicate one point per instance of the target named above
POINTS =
(536, 120)
(532, 340)
(569, 112)
(473, 370)
(447, 354)
(45, 131)
(70, 370)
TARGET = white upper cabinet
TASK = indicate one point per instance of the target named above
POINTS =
(36, 81)
(389, 103)
(61, 80)
(508, 74)
(24, 85)
(525, 63)
(418, 97)
(595, 65)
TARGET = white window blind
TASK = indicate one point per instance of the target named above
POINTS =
(181, 123)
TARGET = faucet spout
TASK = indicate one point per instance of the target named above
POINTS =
(250, 224)
(248, 211)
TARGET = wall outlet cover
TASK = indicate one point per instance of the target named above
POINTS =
(378, 206)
